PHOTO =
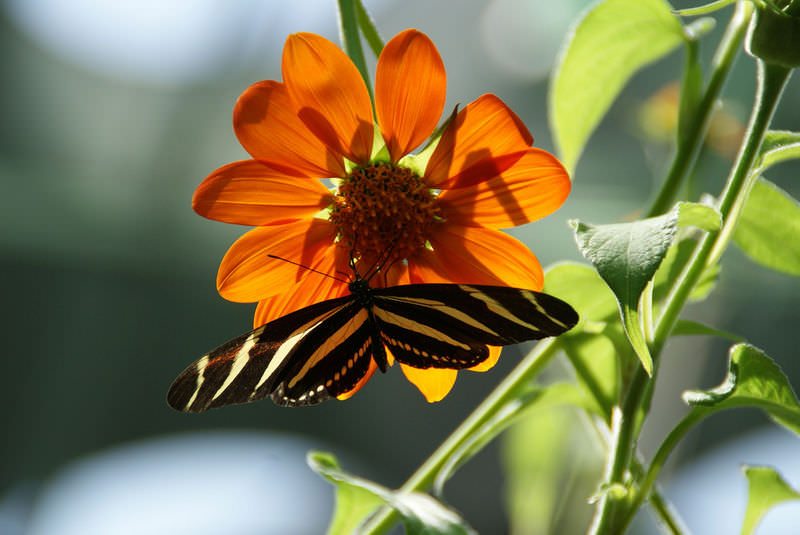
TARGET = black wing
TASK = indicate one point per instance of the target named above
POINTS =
(450, 325)
(262, 362)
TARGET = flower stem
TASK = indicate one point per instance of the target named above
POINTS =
(423, 478)
(689, 143)
(351, 39)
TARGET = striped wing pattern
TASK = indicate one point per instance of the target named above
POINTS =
(322, 351)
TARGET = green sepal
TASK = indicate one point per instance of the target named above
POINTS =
(774, 37)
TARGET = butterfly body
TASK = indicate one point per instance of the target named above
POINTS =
(326, 349)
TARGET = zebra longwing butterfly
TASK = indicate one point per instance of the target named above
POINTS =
(323, 350)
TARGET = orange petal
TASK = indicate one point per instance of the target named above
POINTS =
(329, 95)
(246, 274)
(484, 139)
(535, 186)
(478, 255)
(311, 288)
(249, 193)
(266, 123)
(491, 360)
(434, 383)
(410, 90)
(360, 383)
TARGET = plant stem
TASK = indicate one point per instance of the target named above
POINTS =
(523, 373)
(369, 29)
(771, 81)
(351, 39)
(690, 143)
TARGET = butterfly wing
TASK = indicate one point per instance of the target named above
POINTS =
(250, 366)
(450, 325)
(330, 360)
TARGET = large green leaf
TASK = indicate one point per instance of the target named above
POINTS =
(768, 230)
(627, 255)
(753, 380)
(612, 41)
(420, 513)
(766, 488)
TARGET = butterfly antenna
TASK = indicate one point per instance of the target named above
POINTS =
(308, 268)
(382, 258)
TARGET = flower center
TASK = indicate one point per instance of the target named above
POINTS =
(382, 207)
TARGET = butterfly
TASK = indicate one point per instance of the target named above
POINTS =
(322, 351)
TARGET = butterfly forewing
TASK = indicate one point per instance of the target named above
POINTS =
(249, 366)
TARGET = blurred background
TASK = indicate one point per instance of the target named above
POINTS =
(113, 112)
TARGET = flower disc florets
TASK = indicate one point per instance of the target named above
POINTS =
(384, 207)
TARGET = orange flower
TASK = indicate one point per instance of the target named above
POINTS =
(437, 212)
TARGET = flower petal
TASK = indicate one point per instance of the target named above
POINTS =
(266, 123)
(329, 95)
(535, 186)
(478, 255)
(410, 91)
(484, 139)
(491, 360)
(311, 288)
(434, 383)
(246, 274)
(249, 193)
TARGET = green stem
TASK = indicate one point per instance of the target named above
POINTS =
(771, 81)
(423, 478)
(369, 29)
(351, 39)
(660, 458)
(690, 142)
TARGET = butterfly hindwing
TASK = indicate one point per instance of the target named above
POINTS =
(329, 361)
(450, 325)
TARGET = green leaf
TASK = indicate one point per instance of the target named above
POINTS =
(594, 359)
(693, 328)
(627, 255)
(552, 460)
(612, 41)
(698, 215)
(677, 257)
(420, 513)
(536, 397)
(353, 502)
(753, 380)
(778, 146)
(581, 286)
(769, 228)
(766, 488)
